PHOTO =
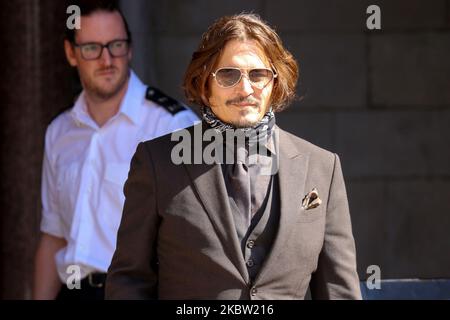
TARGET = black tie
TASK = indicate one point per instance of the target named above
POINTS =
(239, 179)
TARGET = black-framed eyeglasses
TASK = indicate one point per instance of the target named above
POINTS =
(93, 50)
(228, 77)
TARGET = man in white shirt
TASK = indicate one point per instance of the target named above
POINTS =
(87, 155)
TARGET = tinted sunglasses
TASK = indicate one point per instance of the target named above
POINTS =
(229, 77)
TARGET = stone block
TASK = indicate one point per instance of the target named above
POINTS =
(417, 224)
(317, 16)
(173, 56)
(410, 70)
(194, 17)
(315, 127)
(394, 144)
(332, 69)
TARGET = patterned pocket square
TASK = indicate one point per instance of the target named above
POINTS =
(311, 200)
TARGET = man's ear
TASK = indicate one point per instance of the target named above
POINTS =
(70, 53)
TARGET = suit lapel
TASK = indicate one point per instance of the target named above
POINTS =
(292, 177)
(209, 183)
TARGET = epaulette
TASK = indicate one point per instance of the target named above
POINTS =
(169, 103)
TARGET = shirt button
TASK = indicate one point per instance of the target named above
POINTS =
(253, 291)
(250, 244)
(250, 263)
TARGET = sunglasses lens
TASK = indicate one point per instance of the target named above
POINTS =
(228, 77)
(260, 77)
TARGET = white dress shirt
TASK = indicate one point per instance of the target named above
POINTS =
(84, 169)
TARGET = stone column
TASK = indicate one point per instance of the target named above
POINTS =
(36, 83)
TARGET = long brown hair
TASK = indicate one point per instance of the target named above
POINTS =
(241, 27)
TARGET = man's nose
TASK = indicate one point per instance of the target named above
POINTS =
(245, 85)
(105, 57)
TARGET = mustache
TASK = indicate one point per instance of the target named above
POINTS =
(249, 100)
(112, 68)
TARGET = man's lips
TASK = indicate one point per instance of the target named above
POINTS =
(244, 104)
(108, 72)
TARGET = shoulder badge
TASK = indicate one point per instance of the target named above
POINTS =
(169, 103)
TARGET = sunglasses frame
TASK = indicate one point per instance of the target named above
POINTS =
(248, 70)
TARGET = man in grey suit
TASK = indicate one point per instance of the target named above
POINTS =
(268, 224)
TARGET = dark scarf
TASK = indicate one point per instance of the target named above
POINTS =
(259, 133)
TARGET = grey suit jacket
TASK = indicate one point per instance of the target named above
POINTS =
(177, 239)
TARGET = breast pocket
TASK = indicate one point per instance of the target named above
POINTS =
(310, 215)
(114, 179)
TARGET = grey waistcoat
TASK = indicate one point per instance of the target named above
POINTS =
(257, 240)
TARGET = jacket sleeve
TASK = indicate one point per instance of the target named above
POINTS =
(336, 276)
(133, 271)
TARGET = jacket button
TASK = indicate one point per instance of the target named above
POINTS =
(254, 291)
(250, 244)
(250, 263)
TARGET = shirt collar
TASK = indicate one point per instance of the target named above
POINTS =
(80, 113)
(131, 102)
(129, 106)
(271, 143)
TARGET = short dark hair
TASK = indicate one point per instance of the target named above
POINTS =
(88, 7)
(241, 27)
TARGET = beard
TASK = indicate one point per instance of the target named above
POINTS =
(246, 119)
(249, 116)
(104, 89)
